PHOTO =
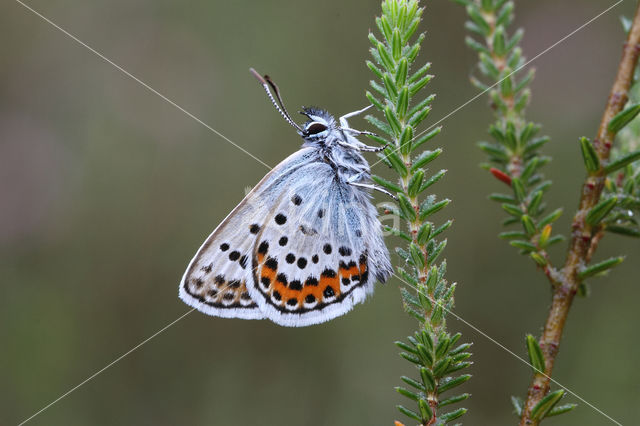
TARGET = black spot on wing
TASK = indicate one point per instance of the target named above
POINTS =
(328, 292)
(307, 230)
(344, 251)
(266, 282)
(271, 263)
(329, 273)
(282, 278)
(302, 262)
(263, 248)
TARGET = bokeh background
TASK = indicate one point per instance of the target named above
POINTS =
(106, 191)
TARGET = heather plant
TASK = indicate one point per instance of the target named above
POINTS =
(609, 197)
(397, 93)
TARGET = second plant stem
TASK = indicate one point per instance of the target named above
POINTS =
(584, 238)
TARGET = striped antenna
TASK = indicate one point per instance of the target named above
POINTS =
(266, 82)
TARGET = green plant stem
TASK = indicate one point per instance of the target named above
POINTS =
(584, 238)
(516, 161)
(426, 296)
(422, 273)
(432, 396)
(518, 166)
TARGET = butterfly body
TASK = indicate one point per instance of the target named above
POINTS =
(347, 162)
(304, 246)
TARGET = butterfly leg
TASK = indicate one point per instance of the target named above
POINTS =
(370, 186)
(343, 119)
(373, 148)
(344, 126)
(357, 132)
(359, 145)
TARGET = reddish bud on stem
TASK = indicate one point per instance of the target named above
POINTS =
(500, 175)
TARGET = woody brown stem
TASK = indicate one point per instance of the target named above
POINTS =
(584, 238)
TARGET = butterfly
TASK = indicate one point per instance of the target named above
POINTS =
(305, 245)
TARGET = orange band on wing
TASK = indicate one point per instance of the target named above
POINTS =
(296, 293)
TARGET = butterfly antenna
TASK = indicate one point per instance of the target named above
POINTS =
(266, 82)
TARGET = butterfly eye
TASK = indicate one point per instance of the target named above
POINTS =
(315, 128)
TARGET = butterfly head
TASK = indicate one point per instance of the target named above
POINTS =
(319, 125)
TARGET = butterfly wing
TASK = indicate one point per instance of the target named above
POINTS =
(319, 250)
(217, 278)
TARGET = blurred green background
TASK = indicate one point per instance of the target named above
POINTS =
(106, 192)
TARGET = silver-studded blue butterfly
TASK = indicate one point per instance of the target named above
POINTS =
(305, 245)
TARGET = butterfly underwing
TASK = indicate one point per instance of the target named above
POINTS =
(305, 245)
